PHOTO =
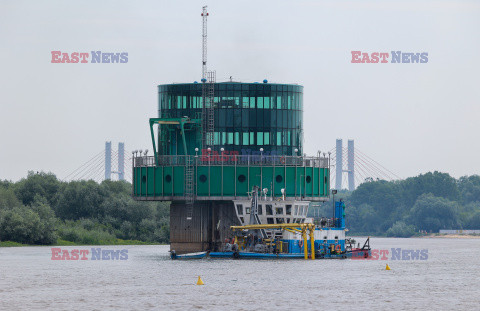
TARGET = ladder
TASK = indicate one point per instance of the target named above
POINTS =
(208, 120)
(189, 186)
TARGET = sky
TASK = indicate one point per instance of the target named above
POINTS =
(411, 118)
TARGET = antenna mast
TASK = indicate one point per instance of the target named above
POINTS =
(204, 49)
(208, 87)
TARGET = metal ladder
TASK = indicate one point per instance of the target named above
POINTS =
(208, 121)
(189, 186)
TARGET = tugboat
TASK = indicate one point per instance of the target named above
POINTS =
(280, 229)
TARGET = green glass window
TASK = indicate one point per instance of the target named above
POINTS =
(230, 138)
(267, 138)
(237, 138)
(279, 102)
(279, 138)
(252, 102)
(245, 139)
(266, 102)
(216, 138)
(260, 102)
(245, 102)
(252, 138)
(224, 138)
(260, 138)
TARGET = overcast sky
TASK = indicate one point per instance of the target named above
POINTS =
(412, 118)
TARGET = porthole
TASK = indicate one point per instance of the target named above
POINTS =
(168, 178)
(279, 178)
(202, 178)
(241, 178)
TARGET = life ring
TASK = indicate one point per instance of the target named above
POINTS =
(338, 248)
(282, 160)
(300, 243)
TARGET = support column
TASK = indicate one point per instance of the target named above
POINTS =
(338, 165)
(351, 165)
(108, 160)
(121, 161)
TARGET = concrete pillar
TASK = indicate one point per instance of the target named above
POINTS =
(108, 160)
(339, 165)
(351, 165)
(121, 161)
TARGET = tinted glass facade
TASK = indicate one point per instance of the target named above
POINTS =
(248, 116)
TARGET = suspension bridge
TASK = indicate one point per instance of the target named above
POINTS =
(111, 164)
(108, 164)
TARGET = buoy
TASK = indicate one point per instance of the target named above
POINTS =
(200, 282)
(386, 268)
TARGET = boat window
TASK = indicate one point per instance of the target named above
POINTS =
(269, 209)
(302, 210)
(302, 220)
(294, 220)
(325, 238)
(279, 211)
(296, 210)
(260, 209)
(288, 220)
(270, 220)
(243, 221)
(306, 210)
(247, 210)
(336, 237)
(239, 209)
(289, 209)
(280, 221)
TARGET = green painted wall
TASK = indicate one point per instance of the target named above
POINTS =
(229, 181)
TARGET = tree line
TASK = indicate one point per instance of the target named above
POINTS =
(425, 203)
(40, 209)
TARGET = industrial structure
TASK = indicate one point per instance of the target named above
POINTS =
(108, 161)
(339, 169)
(215, 142)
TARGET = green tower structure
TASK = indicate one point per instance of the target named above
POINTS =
(256, 135)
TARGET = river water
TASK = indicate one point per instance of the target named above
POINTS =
(449, 279)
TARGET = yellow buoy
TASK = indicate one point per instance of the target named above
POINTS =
(200, 282)
(386, 268)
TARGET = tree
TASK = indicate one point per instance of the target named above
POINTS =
(401, 229)
(44, 184)
(81, 199)
(469, 187)
(432, 213)
(436, 183)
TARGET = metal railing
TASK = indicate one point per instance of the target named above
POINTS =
(242, 160)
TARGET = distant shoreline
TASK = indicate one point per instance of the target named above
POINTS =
(451, 236)
(118, 242)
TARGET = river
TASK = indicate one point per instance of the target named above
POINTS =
(447, 279)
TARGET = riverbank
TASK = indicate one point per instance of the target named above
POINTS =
(450, 236)
(69, 243)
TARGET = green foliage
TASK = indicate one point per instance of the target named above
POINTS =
(40, 209)
(469, 187)
(43, 184)
(28, 225)
(432, 213)
(428, 202)
(401, 230)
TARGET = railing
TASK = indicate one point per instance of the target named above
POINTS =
(242, 160)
